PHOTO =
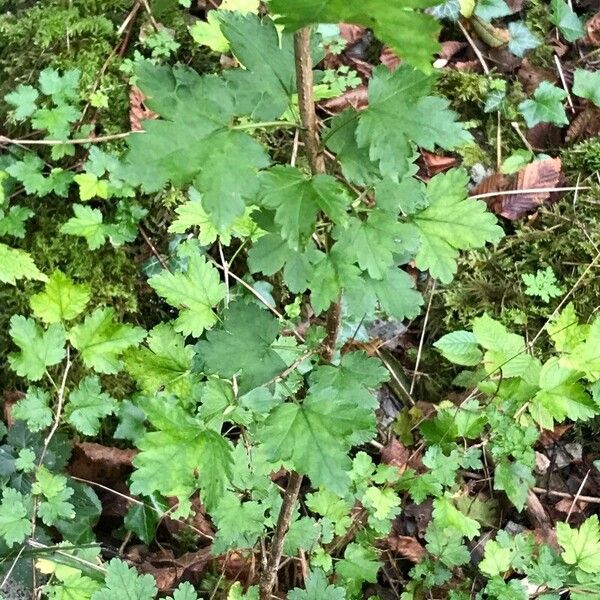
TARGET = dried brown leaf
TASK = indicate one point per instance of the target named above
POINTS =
(138, 111)
(357, 98)
(592, 28)
(406, 546)
(395, 453)
(541, 174)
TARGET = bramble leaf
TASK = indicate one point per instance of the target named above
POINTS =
(460, 348)
(194, 292)
(101, 341)
(61, 300)
(39, 349)
(450, 223)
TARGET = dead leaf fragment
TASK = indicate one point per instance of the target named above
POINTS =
(357, 98)
(406, 546)
(436, 163)
(395, 453)
(592, 28)
(138, 111)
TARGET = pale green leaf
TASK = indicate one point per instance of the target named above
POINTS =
(34, 409)
(39, 349)
(124, 583)
(101, 341)
(61, 300)
(581, 547)
(17, 264)
(587, 85)
(460, 348)
(546, 106)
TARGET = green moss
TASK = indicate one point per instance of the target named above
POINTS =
(537, 19)
(582, 158)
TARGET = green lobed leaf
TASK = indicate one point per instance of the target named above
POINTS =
(23, 99)
(13, 222)
(297, 200)
(61, 300)
(193, 142)
(521, 38)
(194, 292)
(180, 456)
(34, 409)
(124, 583)
(165, 364)
(16, 265)
(101, 341)
(244, 347)
(565, 18)
(87, 405)
(87, 223)
(15, 524)
(314, 437)
(587, 85)
(401, 113)
(545, 107)
(450, 223)
(317, 588)
(515, 479)
(581, 547)
(39, 349)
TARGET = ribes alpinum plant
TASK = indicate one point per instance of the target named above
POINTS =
(248, 404)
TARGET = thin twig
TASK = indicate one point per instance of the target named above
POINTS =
(475, 49)
(225, 265)
(95, 140)
(577, 496)
(421, 341)
(528, 191)
(516, 127)
(12, 567)
(564, 82)
(588, 499)
(159, 258)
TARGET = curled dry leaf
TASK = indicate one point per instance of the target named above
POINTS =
(592, 28)
(451, 48)
(10, 399)
(138, 111)
(406, 546)
(433, 164)
(357, 98)
(351, 33)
